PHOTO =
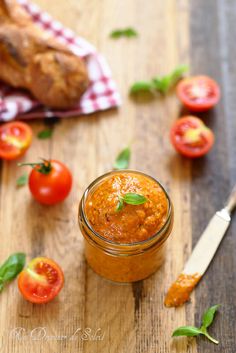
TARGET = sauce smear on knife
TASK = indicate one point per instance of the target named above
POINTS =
(180, 290)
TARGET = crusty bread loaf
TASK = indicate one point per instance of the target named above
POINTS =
(30, 59)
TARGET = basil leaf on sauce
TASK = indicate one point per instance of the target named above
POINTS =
(123, 159)
(131, 199)
(134, 199)
(120, 205)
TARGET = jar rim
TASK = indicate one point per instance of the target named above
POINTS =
(157, 235)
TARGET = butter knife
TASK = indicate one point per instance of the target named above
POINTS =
(202, 254)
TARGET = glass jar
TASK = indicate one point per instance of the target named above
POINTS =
(124, 262)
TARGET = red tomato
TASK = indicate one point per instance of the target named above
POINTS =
(198, 93)
(41, 280)
(190, 136)
(50, 182)
(15, 139)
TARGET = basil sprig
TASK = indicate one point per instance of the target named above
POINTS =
(161, 84)
(126, 32)
(11, 268)
(191, 331)
(130, 199)
(123, 159)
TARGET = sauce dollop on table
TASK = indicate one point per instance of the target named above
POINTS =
(134, 223)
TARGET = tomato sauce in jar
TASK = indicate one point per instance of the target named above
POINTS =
(125, 245)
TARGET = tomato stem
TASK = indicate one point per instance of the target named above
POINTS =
(45, 167)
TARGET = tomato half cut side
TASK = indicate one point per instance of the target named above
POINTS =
(190, 137)
(198, 93)
(41, 280)
(15, 139)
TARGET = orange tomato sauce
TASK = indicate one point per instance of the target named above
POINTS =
(181, 289)
(134, 223)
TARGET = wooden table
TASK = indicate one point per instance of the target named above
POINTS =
(130, 318)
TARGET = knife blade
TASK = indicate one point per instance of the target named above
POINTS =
(202, 255)
(208, 243)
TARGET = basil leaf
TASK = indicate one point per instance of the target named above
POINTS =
(208, 316)
(189, 331)
(45, 134)
(163, 84)
(141, 86)
(134, 199)
(126, 32)
(178, 72)
(207, 319)
(212, 339)
(123, 159)
(22, 180)
(11, 268)
(120, 205)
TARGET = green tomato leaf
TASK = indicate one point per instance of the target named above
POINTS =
(45, 134)
(134, 199)
(189, 331)
(22, 180)
(123, 159)
(126, 32)
(141, 86)
(11, 268)
(208, 316)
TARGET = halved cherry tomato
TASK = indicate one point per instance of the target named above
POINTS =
(198, 93)
(41, 280)
(190, 136)
(50, 182)
(15, 139)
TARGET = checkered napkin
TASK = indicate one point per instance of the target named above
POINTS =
(102, 93)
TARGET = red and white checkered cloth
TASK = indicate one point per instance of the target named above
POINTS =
(102, 93)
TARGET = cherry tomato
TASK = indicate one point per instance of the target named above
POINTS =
(41, 280)
(190, 136)
(50, 182)
(198, 93)
(15, 139)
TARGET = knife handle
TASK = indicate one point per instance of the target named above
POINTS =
(231, 202)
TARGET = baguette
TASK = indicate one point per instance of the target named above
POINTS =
(31, 59)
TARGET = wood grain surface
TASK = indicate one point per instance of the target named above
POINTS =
(92, 314)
